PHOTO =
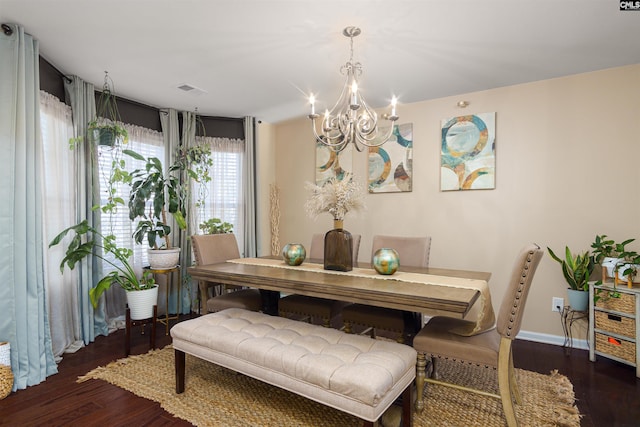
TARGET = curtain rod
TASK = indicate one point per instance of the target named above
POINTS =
(7, 29)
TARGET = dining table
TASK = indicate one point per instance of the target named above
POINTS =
(411, 289)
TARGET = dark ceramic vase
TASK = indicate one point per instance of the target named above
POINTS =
(338, 248)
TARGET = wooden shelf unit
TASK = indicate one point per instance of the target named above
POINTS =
(614, 324)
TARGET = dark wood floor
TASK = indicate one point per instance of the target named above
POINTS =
(607, 392)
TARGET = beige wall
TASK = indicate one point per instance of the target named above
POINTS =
(567, 157)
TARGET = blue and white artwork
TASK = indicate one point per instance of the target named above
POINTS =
(391, 164)
(468, 154)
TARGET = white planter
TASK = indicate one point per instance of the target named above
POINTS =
(141, 303)
(160, 259)
(621, 269)
(609, 264)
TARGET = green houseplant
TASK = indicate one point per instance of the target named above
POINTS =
(577, 270)
(216, 226)
(104, 129)
(155, 196)
(87, 241)
(615, 258)
(610, 254)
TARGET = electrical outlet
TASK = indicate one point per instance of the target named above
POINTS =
(557, 304)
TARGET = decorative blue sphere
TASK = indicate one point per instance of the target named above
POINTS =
(294, 253)
(386, 261)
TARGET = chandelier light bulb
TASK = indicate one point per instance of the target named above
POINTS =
(312, 101)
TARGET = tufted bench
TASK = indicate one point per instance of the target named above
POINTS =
(351, 373)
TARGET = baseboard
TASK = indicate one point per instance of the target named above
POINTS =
(551, 339)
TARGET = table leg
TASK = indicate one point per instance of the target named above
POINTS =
(270, 301)
(412, 324)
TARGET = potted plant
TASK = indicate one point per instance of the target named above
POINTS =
(104, 129)
(577, 270)
(155, 195)
(616, 260)
(628, 266)
(88, 241)
(216, 226)
(610, 254)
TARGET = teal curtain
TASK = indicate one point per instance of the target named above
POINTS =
(24, 322)
(249, 178)
(179, 238)
(83, 107)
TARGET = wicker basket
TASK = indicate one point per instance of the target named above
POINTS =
(622, 349)
(625, 304)
(617, 324)
(6, 381)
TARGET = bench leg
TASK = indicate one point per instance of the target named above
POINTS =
(180, 362)
(407, 407)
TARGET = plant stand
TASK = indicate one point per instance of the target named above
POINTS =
(130, 323)
(168, 273)
(616, 279)
(569, 316)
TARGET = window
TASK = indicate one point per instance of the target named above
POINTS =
(148, 143)
(224, 192)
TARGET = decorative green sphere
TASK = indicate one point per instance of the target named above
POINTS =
(386, 261)
(294, 253)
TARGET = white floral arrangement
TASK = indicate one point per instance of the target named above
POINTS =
(336, 197)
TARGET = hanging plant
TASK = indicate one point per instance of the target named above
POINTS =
(105, 129)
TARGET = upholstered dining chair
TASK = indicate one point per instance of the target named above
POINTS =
(491, 348)
(212, 249)
(312, 308)
(413, 252)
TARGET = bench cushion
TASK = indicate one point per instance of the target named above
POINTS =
(353, 373)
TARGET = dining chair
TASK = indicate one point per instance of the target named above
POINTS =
(312, 308)
(216, 248)
(413, 252)
(491, 348)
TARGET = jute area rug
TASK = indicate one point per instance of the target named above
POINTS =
(216, 396)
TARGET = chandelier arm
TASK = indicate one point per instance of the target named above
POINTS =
(327, 139)
(366, 141)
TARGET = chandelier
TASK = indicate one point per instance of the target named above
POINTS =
(351, 120)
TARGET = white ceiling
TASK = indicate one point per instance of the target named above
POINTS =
(262, 58)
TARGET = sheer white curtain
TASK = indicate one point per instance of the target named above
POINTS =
(225, 199)
(59, 207)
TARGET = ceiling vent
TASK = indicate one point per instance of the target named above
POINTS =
(191, 89)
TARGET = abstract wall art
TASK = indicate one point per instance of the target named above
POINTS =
(391, 164)
(468, 154)
(330, 164)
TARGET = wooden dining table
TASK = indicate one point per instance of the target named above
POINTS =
(363, 285)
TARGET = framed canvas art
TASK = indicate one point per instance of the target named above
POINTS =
(468, 155)
(330, 164)
(391, 164)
